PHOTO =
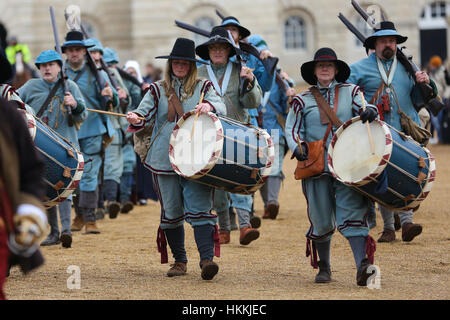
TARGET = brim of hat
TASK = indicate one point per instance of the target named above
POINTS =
(307, 71)
(370, 41)
(181, 58)
(243, 32)
(75, 44)
(37, 64)
(203, 52)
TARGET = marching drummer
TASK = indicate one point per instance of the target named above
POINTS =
(388, 85)
(226, 77)
(166, 101)
(330, 203)
(49, 101)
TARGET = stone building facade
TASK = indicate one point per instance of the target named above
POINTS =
(293, 29)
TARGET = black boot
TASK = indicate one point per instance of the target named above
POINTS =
(204, 237)
(362, 275)
(324, 275)
(175, 239)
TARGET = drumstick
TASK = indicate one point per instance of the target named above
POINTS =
(112, 113)
(196, 115)
(372, 147)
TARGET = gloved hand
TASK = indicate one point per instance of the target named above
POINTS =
(30, 228)
(368, 115)
(301, 156)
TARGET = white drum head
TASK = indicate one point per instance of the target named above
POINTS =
(351, 156)
(193, 157)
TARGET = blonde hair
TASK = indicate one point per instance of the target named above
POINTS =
(190, 81)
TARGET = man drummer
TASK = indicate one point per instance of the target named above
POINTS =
(226, 77)
(51, 106)
(387, 84)
(93, 131)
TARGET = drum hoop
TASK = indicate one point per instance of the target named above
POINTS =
(381, 165)
(31, 123)
(217, 150)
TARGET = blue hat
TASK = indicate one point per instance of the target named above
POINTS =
(258, 42)
(110, 56)
(48, 56)
(387, 28)
(232, 21)
(94, 45)
(74, 38)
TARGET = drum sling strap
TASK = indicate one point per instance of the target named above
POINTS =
(315, 164)
(48, 99)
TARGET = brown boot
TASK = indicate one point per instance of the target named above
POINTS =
(179, 268)
(209, 269)
(397, 224)
(224, 236)
(387, 236)
(91, 227)
(248, 234)
(273, 210)
(266, 214)
(77, 223)
(410, 231)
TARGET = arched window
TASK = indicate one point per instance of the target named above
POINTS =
(205, 23)
(295, 33)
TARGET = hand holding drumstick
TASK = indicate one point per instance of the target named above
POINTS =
(368, 115)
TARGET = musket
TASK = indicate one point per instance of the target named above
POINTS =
(61, 73)
(104, 67)
(427, 92)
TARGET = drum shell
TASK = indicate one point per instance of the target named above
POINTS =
(64, 163)
(403, 162)
(236, 165)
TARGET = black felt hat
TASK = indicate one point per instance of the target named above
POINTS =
(183, 49)
(218, 35)
(387, 28)
(324, 54)
(75, 38)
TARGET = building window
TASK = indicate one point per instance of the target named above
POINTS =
(205, 23)
(295, 33)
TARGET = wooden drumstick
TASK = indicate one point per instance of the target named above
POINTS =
(112, 113)
(299, 145)
(196, 115)
(372, 147)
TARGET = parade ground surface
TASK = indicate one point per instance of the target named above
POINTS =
(123, 262)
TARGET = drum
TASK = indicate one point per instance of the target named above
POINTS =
(64, 162)
(398, 175)
(221, 152)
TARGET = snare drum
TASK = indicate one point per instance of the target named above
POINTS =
(221, 152)
(64, 162)
(400, 173)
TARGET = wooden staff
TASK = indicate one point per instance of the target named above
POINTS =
(372, 147)
(196, 115)
(112, 113)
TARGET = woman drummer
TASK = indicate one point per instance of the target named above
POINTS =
(180, 199)
(330, 203)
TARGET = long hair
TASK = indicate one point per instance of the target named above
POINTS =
(190, 81)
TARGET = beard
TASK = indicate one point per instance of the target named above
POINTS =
(387, 53)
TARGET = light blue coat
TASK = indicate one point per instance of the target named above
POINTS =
(365, 74)
(95, 124)
(155, 105)
(35, 92)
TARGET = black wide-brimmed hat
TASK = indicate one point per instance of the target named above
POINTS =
(218, 35)
(387, 28)
(232, 21)
(183, 49)
(324, 54)
(75, 38)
